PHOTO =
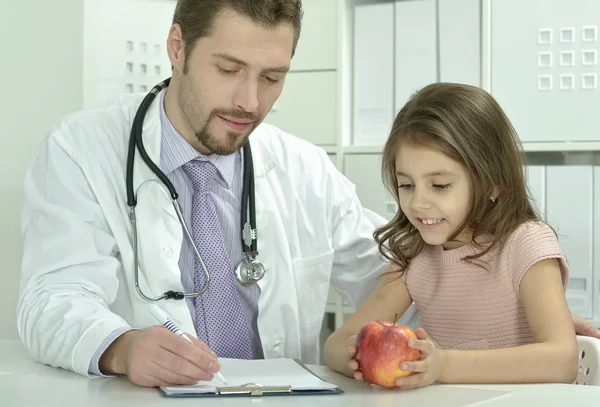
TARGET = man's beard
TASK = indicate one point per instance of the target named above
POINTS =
(234, 141)
(189, 101)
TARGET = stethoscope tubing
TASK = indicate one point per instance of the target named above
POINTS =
(248, 198)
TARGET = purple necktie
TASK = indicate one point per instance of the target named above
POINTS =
(220, 320)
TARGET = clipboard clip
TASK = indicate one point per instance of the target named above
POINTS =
(254, 389)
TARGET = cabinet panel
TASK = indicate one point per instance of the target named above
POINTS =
(544, 68)
(415, 48)
(569, 209)
(373, 72)
(364, 170)
(460, 41)
(536, 182)
(596, 252)
(317, 47)
(300, 112)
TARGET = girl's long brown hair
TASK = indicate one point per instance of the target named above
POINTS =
(466, 124)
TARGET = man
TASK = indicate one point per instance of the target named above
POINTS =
(79, 308)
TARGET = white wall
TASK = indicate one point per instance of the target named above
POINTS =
(41, 71)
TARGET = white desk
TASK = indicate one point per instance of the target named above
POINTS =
(24, 383)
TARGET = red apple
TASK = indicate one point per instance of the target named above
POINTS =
(380, 348)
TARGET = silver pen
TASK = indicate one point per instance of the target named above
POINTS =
(168, 323)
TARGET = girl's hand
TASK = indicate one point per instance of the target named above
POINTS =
(428, 369)
(349, 355)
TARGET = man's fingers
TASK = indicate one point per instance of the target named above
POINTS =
(164, 374)
(202, 345)
(198, 354)
(181, 366)
(150, 374)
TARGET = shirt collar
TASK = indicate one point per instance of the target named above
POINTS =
(175, 151)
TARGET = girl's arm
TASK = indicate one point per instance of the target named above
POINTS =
(552, 358)
(389, 298)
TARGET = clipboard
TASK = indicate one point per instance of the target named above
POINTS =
(253, 389)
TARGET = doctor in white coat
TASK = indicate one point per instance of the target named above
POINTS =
(78, 306)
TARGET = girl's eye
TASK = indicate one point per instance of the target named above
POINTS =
(441, 186)
(405, 186)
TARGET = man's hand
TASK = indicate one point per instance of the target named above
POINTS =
(157, 357)
(584, 327)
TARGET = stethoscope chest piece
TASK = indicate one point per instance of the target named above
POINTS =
(249, 271)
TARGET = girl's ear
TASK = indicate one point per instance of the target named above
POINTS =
(495, 194)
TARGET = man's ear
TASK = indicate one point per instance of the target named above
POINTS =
(176, 47)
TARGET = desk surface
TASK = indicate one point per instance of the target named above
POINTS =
(25, 383)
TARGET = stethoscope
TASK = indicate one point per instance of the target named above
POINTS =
(249, 270)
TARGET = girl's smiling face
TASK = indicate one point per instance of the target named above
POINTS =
(435, 193)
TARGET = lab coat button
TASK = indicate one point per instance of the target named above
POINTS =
(167, 252)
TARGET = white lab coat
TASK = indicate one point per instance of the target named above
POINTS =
(77, 273)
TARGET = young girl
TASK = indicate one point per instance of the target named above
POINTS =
(466, 245)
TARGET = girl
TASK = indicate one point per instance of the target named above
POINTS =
(466, 245)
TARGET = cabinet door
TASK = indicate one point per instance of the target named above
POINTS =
(317, 47)
(373, 72)
(544, 67)
(569, 209)
(536, 182)
(596, 253)
(124, 47)
(307, 107)
(364, 170)
(415, 48)
(460, 41)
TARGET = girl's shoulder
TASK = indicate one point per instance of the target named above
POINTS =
(529, 243)
(531, 233)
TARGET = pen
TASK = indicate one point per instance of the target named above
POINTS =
(168, 323)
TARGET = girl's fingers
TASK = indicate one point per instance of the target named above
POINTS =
(424, 345)
(421, 334)
(353, 364)
(411, 382)
(415, 366)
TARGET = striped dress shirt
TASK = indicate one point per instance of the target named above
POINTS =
(226, 192)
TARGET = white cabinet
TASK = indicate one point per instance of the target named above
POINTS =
(373, 72)
(307, 107)
(124, 47)
(570, 210)
(536, 183)
(544, 67)
(415, 48)
(596, 282)
(460, 41)
(364, 170)
(317, 47)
